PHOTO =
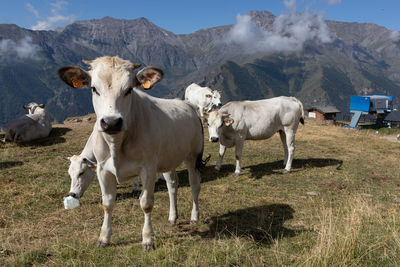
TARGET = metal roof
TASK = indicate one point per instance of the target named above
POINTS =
(325, 109)
(393, 116)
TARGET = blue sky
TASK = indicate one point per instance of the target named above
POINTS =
(186, 16)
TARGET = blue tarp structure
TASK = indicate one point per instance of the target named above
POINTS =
(373, 104)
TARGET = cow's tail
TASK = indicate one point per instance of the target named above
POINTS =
(200, 163)
(301, 110)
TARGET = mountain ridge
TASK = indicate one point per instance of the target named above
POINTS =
(362, 58)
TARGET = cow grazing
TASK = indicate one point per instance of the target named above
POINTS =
(82, 170)
(137, 134)
(202, 97)
(29, 127)
(238, 121)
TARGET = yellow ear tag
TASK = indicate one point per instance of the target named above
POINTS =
(146, 84)
(76, 82)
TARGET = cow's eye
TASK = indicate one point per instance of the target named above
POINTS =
(128, 91)
(81, 173)
(95, 91)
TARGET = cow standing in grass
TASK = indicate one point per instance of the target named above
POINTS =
(138, 134)
(202, 97)
(238, 121)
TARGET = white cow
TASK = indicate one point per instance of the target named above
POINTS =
(30, 126)
(202, 97)
(82, 170)
(238, 121)
(138, 134)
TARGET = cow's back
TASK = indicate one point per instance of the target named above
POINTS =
(28, 127)
(263, 118)
(196, 94)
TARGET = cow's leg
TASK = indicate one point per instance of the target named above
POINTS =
(172, 183)
(194, 180)
(238, 155)
(108, 185)
(136, 187)
(201, 111)
(222, 150)
(285, 147)
(146, 203)
(290, 140)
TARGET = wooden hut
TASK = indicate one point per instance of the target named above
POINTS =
(323, 113)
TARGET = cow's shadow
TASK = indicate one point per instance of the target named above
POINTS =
(262, 224)
(55, 137)
(207, 174)
(277, 167)
(10, 164)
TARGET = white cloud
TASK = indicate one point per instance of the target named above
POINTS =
(289, 31)
(23, 49)
(32, 9)
(55, 19)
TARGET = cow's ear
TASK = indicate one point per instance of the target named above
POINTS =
(74, 76)
(228, 121)
(226, 118)
(208, 95)
(148, 77)
(41, 105)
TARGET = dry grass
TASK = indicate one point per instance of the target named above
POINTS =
(259, 218)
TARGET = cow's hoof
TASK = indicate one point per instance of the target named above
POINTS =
(285, 171)
(170, 224)
(194, 221)
(148, 246)
(217, 168)
(101, 244)
(237, 173)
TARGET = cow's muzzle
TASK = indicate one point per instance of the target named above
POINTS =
(214, 139)
(111, 125)
(72, 194)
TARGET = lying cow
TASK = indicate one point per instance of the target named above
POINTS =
(238, 121)
(82, 170)
(202, 97)
(137, 134)
(29, 127)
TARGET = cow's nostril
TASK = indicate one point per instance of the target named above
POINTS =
(104, 125)
(118, 124)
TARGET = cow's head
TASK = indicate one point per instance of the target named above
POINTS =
(212, 98)
(112, 80)
(31, 107)
(216, 121)
(81, 171)
(216, 98)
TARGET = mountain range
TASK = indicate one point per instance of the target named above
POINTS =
(357, 59)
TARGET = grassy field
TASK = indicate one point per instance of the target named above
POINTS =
(339, 206)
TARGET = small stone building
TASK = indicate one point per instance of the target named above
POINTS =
(323, 113)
